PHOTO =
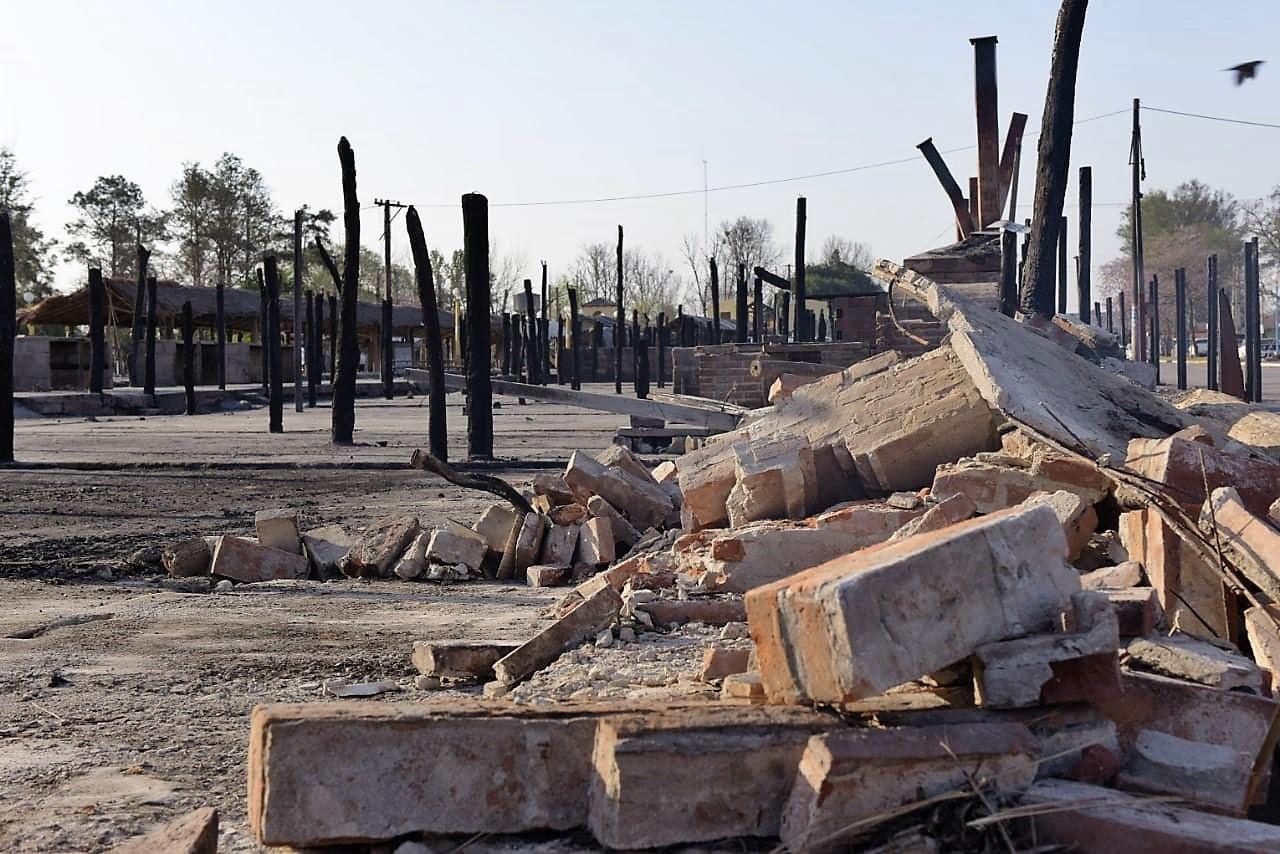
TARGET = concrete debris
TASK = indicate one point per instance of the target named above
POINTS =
(326, 547)
(1118, 577)
(624, 533)
(1137, 610)
(620, 457)
(456, 545)
(720, 662)
(459, 659)
(1216, 665)
(529, 540)
(1191, 590)
(244, 560)
(569, 514)
(554, 487)
(414, 560)
(1208, 775)
(543, 575)
(1184, 461)
(346, 690)
(595, 612)
(494, 526)
(376, 552)
(774, 478)
(1252, 543)
(278, 529)
(596, 541)
(195, 833)
(994, 482)
(642, 500)
(786, 384)
(189, 558)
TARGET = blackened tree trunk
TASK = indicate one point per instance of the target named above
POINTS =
(437, 428)
(8, 332)
(621, 318)
(532, 356)
(139, 319)
(310, 338)
(715, 301)
(220, 330)
(97, 338)
(1054, 160)
(475, 248)
(575, 338)
(189, 357)
(343, 420)
(740, 307)
(149, 373)
(275, 395)
(802, 314)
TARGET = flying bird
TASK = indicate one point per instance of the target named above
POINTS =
(1245, 70)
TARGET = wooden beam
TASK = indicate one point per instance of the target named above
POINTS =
(949, 186)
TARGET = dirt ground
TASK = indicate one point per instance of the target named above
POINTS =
(135, 709)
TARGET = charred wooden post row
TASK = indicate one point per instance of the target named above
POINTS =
(149, 373)
(715, 301)
(1153, 307)
(532, 356)
(333, 338)
(757, 317)
(8, 332)
(437, 429)
(97, 337)
(506, 344)
(189, 357)
(309, 337)
(1008, 272)
(1062, 265)
(740, 307)
(343, 418)
(297, 312)
(275, 395)
(1212, 322)
(621, 318)
(139, 319)
(964, 220)
(575, 338)
(985, 89)
(1253, 321)
(1180, 310)
(1054, 158)
(475, 240)
(262, 332)
(803, 333)
(1085, 251)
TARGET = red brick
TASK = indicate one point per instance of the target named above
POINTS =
(245, 560)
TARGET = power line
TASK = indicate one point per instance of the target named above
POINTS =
(1212, 118)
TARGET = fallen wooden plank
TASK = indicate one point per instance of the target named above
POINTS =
(714, 417)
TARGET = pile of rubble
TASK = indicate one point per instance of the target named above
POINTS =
(1001, 573)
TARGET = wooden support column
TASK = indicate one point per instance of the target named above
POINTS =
(275, 397)
(1111, 324)
(785, 315)
(1253, 323)
(532, 356)
(8, 333)
(544, 339)
(296, 324)
(1180, 307)
(262, 332)
(1008, 272)
(1232, 378)
(149, 373)
(575, 338)
(803, 333)
(318, 339)
(139, 325)
(715, 301)
(987, 110)
(662, 349)
(343, 408)
(561, 366)
(1211, 292)
(740, 306)
(1136, 162)
(189, 357)
(757, 316)
(97, 338)
(1124, 325)
(220, 332)
(635, 351)
(1062, 265)
(1097, 312)
(333, 338)
(1153, 307)
(680, 326)
(642, 365)
(1009, 160)
(621, 319)
(475, 231)
(595, 350)
(309, 336)
(437, 429)
(506, 344)
(960, 205)
(1085, 251)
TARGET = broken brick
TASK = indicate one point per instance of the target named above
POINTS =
(245, 560)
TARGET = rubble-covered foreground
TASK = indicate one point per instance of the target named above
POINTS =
(996, 596)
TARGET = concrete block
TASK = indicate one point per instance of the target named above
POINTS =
(596, 542)
(559, 545)
(621, 457)
(722, 771)
(1176, 461)
(665, 472)
(1087, 818)
(1262, 624)
(644, 502)
(1078, 517)
(624, 533)
(377, 550)
(1252, 543)
(1209, 775)
(867, 621)
(1053, 668)
(326, 547)
(194, 833)
(994, 483)
(494, 525)
(853, 774)
(414, 560)
(546, 576)
(774, 478)
(596, 612)
(453, 546)
(1118, 577)
(743, 686)
(278, 529)
(1137, 610)
(718, 662)
(529, 540)
(948, 511)
(244, 560)
(459, 658)
(1178, 573)
(188, 559)
(1184, 657)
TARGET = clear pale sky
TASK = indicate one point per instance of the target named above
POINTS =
(568, 100)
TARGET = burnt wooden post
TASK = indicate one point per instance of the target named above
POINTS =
(1085, 251)
(635, 350)
(1212, 323)
(662, 355)
(784, 317)
(1153, 306)
(1110, 318)
(757, 315)
(318, 342)
(973, 200)
(1232, 378)
(802, 315)
(575, 338)
(740, 308)
(621, 318)
(1054, 158)
(1252, 321)
(561, 366)
(1062, 265)
(544, 337)
(189, 357)
(641, 346)
(532, 357)
(506, 344)
(139, 324)
(437, 430)
(595, 350)
(988, 197)
(1124, 325)
(1180, 307)
(310, 338)
(715, 301)
(8, 333)
(964, 219)
(333, 338)
(262, 332)
(1097, 312)
(1008, 272)
(342, 426)
(475, 239)
(275, 397)
(220, 331)
(1135, 223)
(822, 327)
(296, 323)
(149, 375)
(517, 347)
(97, 338)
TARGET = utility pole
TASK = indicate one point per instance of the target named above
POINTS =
(1139, 165)
(297, 311)
(388, 348)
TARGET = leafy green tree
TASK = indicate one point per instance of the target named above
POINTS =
(113, 217)
(33, 252)
(191, 221)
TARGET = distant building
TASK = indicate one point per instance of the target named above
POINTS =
(850, 298)
(600, 306)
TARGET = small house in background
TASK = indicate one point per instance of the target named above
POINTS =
(849, 297)
(600, 306)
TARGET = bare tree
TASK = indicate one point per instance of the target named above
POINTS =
(650, 282)
(594, 271)
(747, 241)
(842, 250)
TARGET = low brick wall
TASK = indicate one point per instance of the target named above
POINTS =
(723, 372)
